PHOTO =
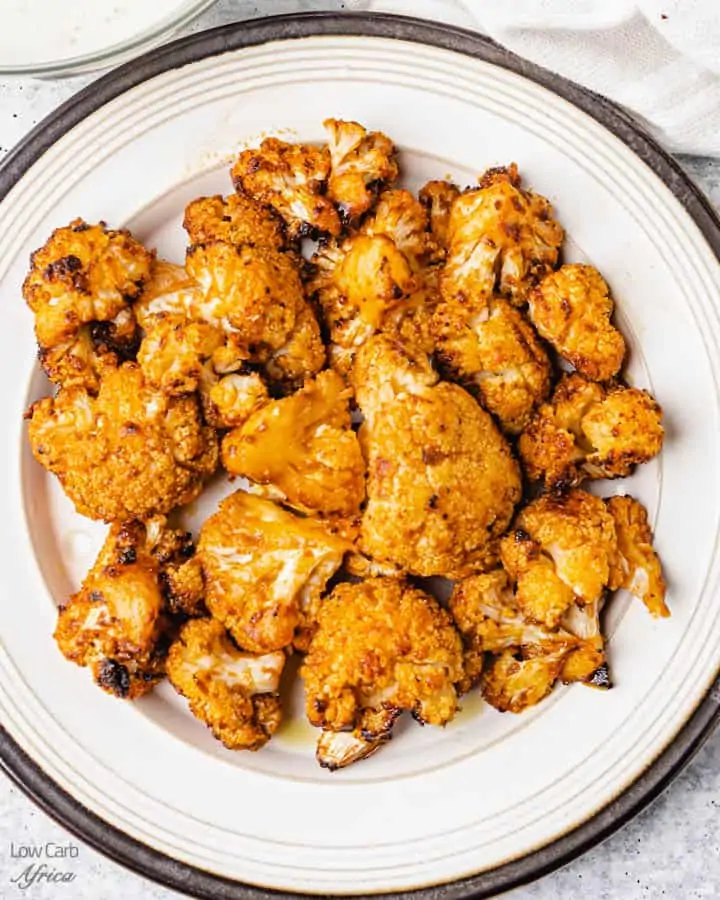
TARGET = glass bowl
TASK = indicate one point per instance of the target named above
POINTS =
(154, 22)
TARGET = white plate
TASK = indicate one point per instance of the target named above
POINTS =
(435, 806)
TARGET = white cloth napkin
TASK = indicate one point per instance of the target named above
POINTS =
(659, 58)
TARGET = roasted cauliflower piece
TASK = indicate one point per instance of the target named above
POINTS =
(338, 749)
(494, 352)
(231, 400)
(117, 624)
(292, 178)
(438, 197)
(442, 481)
(571, 308)
(499, 237)
(540, 592)
(94, 350)
(234, 693)
(514, 684)
(586, 664)
(356, 283)
(638, 568)
(234, 220)
(401, 217)
(169, 291)
(294, 351)
(80, 286)
(562, 550)
(174, 351)
(588, 430)
(265, 571)
(366, 282)
(180, 573)
(302, 450)
(381, 647)
(252, 293)
(485, 607)
(486, 613)
(130, 453)
(301, 356)
(84, 273)
(361, 163)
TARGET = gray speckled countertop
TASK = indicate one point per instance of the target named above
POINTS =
(671, 850)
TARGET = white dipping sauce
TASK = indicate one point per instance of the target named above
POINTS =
(33, 32)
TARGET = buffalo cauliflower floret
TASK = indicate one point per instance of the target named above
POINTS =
(381, 647)
(540, 592)
(180, 573)
(587, 664)
(302, 450)
(169, 291)
(230, 400)
(638, 567)
(494, 352)
(234, 693)
(484, 606)
(92, 351)
(366, 282)
(84, 273)
(357, 282)
(295, 352)
(292, 178)
(174, 351)
(487, 615)
(442, 481)
(402, 218)
(338, 749)
(499, 236)
(80, 287)
(301, 356)
(117, 624)
(513, 683)
(588, 430)
(562, 549)
(362, 162)
(234, 220)
(438, 197)
(571, 308)
(131, 452)
(265, 570)
(252, 293)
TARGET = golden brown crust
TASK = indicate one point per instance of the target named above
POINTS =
(495, 353)
(571, 308)
(233, 693)
(442, 481)
(588, 430)
(292, 179)
(265, 570)
(236, 219)
(499, 237)
(117, 624)
(131, 452)
(362, 162)
(381, 647)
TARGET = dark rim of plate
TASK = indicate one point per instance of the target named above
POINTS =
(196, 882)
